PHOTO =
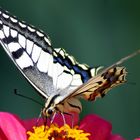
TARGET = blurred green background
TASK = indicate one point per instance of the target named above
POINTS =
(96, 32)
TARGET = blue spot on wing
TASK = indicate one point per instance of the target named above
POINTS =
(68, 63)
(65, 62)
(85, 74)
(58, 60)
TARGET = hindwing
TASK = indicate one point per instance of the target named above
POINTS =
(99, 85)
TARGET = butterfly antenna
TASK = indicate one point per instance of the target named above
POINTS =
(26, 97)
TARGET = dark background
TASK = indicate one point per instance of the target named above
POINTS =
(96, 32)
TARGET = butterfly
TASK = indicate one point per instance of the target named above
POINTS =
(53, 73)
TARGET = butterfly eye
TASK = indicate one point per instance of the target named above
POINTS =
(50, 111)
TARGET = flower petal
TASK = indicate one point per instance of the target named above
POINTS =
(98, 128)
(29, 123)
(11, 127)
(2, 135)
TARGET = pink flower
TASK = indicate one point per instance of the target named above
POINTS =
(12, 127)
(99, 128)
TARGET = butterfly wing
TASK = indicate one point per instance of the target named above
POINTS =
(81, 73)
(26, 46)
(95, 87)
(104, 81)
(50, 71)
(99, 85)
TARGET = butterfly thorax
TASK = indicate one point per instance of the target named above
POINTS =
(55, 104)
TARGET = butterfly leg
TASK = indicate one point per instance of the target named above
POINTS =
(72, 118)
(45, 121)
(63, 117)
(52, 119)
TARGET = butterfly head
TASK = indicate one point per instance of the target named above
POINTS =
(48, 112)
(50, 106)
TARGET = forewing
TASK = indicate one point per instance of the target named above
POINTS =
(30, 50)
(50, 71)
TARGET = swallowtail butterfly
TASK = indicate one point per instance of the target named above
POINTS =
(56, 75)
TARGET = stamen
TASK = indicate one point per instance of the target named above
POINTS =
(57, 133)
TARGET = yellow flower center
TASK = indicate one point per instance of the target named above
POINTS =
(55, 133)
